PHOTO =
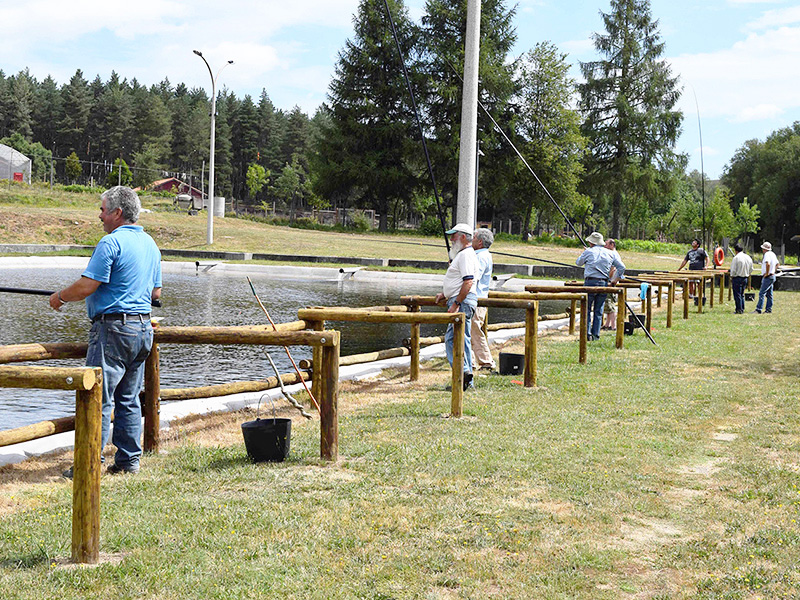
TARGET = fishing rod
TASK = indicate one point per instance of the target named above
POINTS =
(289, 354)
(11, 290)
(419, 125)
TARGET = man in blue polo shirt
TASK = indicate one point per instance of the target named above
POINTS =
(120, 282)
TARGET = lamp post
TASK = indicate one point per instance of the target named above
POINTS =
(210, 230)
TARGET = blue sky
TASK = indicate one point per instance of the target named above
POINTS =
(740, 57)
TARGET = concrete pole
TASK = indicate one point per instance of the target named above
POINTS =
(467, 164)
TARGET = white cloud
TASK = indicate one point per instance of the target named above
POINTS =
(756, 78)
(776, 18)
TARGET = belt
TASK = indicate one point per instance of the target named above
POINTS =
(141, 317)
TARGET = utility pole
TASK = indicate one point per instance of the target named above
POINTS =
(467, 158)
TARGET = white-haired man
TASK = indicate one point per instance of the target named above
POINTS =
(482, 239)
(458, 289)
(120, 282)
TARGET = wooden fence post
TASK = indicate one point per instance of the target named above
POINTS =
(658, 297)
(670, 301)
(329, 398)
(457, 377)
(722, 288)
(701, 295)
(152, 401)
(648, 301)
(713, 282)
(622, 297)
(86, 474)
(685, 292)
(572, 306)
(531, 338)
(414, 346)
(316, 361)
(583, 331)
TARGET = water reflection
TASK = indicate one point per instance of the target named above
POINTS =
(196, 300)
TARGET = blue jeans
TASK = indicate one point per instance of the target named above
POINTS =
(120, 350)
(468, 311)
(738, 284)
(767, 283)
(594, 311)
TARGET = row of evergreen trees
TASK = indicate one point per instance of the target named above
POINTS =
(604, 148)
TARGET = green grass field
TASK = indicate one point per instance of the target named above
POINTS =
(662, 472)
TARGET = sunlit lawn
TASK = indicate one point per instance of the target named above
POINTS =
(651, 472)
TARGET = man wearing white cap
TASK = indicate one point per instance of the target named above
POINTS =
(769, 265)
(597, 261)
(458, 289)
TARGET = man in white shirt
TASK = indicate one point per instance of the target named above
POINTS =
(769, 266)
(741, 268)
(458, 289)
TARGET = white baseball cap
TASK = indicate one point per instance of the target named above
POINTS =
(460, 228)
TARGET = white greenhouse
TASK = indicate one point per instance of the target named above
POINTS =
(14, 165)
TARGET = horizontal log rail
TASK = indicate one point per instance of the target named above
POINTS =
(348, 314)
(237, 335)
(87, 383)
(34, 352)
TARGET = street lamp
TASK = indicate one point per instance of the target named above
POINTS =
(210, 231)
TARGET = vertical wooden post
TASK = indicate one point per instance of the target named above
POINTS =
(722, 288)
(658, 298)
(414, 349)
(583, 330)
(712, 282)
(86, 474)
(685, 292)
(701, 294)
(329, 398)
(730, 286)
(622, 296)
(457, 378)
(572, 306)
(152, 401)
(670, 302)
(316, 361)
(531, 338)
(648, 302)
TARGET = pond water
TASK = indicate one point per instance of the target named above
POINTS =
(198, 300)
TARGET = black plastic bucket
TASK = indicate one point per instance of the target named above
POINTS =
(749, 296)
(629, 327)
(633, 319)
(511, 363)
(267, 439)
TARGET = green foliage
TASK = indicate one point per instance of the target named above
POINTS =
(120, 174)
(257, 177)
(553, 144)
(147, 166)
(82, 189)
(628, 100)
(431, 226)
(747, 217)
(358, 221)
(73, 167)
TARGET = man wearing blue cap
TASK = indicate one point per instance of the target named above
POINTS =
(458, 289)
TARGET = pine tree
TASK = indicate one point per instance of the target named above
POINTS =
(48, 112)
(628, 100)
(365, 154)
(77, 105)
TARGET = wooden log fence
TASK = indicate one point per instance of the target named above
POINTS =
(87, 384)
(318, 316)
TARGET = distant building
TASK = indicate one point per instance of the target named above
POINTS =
(14, 165)
(173, 184)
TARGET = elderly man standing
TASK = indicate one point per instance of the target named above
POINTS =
(769, 266)
(482, 239)
(741, 268)
(597, 261)
(459, 291)
(121, 281)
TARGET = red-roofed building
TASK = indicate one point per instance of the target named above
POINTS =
(173, 184)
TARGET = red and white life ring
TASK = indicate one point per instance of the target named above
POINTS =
(719, 257)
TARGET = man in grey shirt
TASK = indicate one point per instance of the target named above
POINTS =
(597, 261)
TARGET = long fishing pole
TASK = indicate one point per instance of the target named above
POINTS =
(11, 290)
(289, 354)
(419, 125)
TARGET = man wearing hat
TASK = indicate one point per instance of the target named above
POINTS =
(458, 289)
(769, 266)
(597, 261)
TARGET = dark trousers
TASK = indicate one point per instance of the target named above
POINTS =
(738, 284)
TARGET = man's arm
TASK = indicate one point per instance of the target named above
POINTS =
(78, 291)
(156, 294)
(683, 264)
